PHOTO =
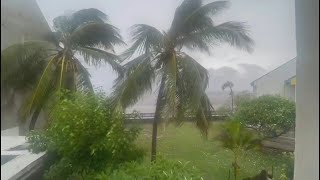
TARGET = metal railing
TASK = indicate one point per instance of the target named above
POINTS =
(150, 116)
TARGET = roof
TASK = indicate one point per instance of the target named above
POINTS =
(273, 70)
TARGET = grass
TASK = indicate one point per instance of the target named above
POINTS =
(185, 143)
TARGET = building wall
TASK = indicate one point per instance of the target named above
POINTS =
(274, 82)
(307, 91)
(21, 20)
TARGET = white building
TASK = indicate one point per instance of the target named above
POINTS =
(280, 81)
(21, 20)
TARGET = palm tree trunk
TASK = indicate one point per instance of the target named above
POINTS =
(34, 118)
(154, 140)
(155, 123)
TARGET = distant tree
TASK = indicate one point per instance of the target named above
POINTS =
(46, 67)
(229, 85)
(182, 80)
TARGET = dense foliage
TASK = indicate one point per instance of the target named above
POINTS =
(269, 115)
(87, 136)
(162, 169)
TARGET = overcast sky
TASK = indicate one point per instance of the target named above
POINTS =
(271, 22)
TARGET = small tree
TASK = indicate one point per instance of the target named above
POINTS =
(237, 138)
(229, 85)
(271, 116)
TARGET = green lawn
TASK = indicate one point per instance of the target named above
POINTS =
(185, 143)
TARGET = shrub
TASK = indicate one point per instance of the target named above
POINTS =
(87, 136)
(38, 141)
(162, 169)
(270, 116)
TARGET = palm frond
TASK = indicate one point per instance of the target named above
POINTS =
(146, 38)
(194, 42)
(21, 64)
(208, 10)
(234, 33)
(96, 35)
(82, 78)
(46, 84)
(235, 137)
(181, 14)
(68, 23)
(96, 57)
(137, 80)
(170, 72)
(192, 81)
(63, 25)
(88, 16)
(204, 114)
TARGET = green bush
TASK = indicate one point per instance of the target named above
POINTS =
(38, 141)
(162, 169)
(270, 116)
(87, 136)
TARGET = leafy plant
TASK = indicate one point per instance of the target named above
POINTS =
(270, 116)
(46, 67)
(162, 169)
(287, 169)
(237, 138)
(37, 141)
(87, 136)
(182, 80)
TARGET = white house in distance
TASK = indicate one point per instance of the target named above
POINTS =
(280, 81)
(21, 20)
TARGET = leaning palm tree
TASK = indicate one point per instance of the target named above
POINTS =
(182, 80)
(48, 67)
(229, 85)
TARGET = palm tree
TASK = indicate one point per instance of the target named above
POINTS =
(229, 85)
(47, 67)
(237, 139)
(182, 80)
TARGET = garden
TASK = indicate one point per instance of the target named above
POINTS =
(86, 140)
(87, 135)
